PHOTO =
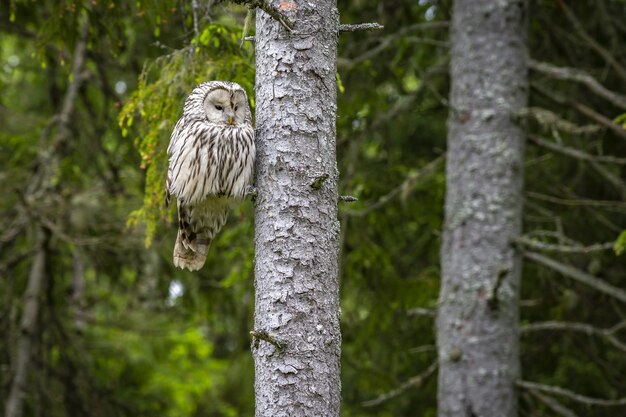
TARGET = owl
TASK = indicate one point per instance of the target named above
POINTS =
(211, 161)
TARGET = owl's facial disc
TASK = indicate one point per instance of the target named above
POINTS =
(225, 107)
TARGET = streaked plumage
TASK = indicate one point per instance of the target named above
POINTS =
(211, 160)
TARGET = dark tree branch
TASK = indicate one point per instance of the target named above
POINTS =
(612, 179)
(388, 40)
(550, 389)
(573, 74)
(608, 334)
(547, 119)
(414, 382)
(578, 275)
(538, 244)
(573, 152)
(553, 404)
(583, 109)
(407, 185)
(609, 205)
(603, 52)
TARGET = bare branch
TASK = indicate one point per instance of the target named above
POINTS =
(578, 275)
(538, 244)
(594, 115)
(550, 389)
(611, 178)
(608, 334)
(388, 40)
(553, 404)
(575, 153)
(583, 109)
(348, 198)
(573, 74)
(359, 27)
(414, 382)
(604, 53)
(610, 205)
(549, 120)
(423, 348)
(408, 184)
(420, 311)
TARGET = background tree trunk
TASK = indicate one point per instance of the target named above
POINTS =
(296, 226)
(28, 326)
(477, 324)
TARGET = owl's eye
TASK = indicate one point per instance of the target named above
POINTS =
(220, 108)
(236, 107)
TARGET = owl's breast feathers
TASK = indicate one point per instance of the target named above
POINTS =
(209, 160)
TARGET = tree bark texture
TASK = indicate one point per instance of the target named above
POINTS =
(477, 323)
(296, 225)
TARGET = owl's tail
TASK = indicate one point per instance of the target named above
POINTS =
(190, 254)
(197, 227)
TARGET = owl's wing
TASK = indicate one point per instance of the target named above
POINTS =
(173, 151)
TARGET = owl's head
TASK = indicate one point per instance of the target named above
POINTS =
(217, 102)
(224, 103)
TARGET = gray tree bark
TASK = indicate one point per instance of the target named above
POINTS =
(477, 322)
(296, 227)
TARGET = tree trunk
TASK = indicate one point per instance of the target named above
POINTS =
(28, 325)
(477, 323)
(296, 226)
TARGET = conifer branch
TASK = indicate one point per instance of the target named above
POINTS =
(608, 334)
(553, 404)
(538, 244)
(578, 275)
(583, 399)
(573, 74)
(360, 26)
(414, 382)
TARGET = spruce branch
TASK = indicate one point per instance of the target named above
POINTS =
(578, 275)
(415, 382)
(608, 334)
(573, 152)
(553, 404)
(264, 335)
(583, 399)
(359, 27)
(319, 181)
(552, 247)
(348, 198)
(573, 74)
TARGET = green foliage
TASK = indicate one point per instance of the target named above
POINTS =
(163, 85)
(620, 243)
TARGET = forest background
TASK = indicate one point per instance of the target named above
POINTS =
(90, 91)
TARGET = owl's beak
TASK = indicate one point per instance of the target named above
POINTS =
(230, 120)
